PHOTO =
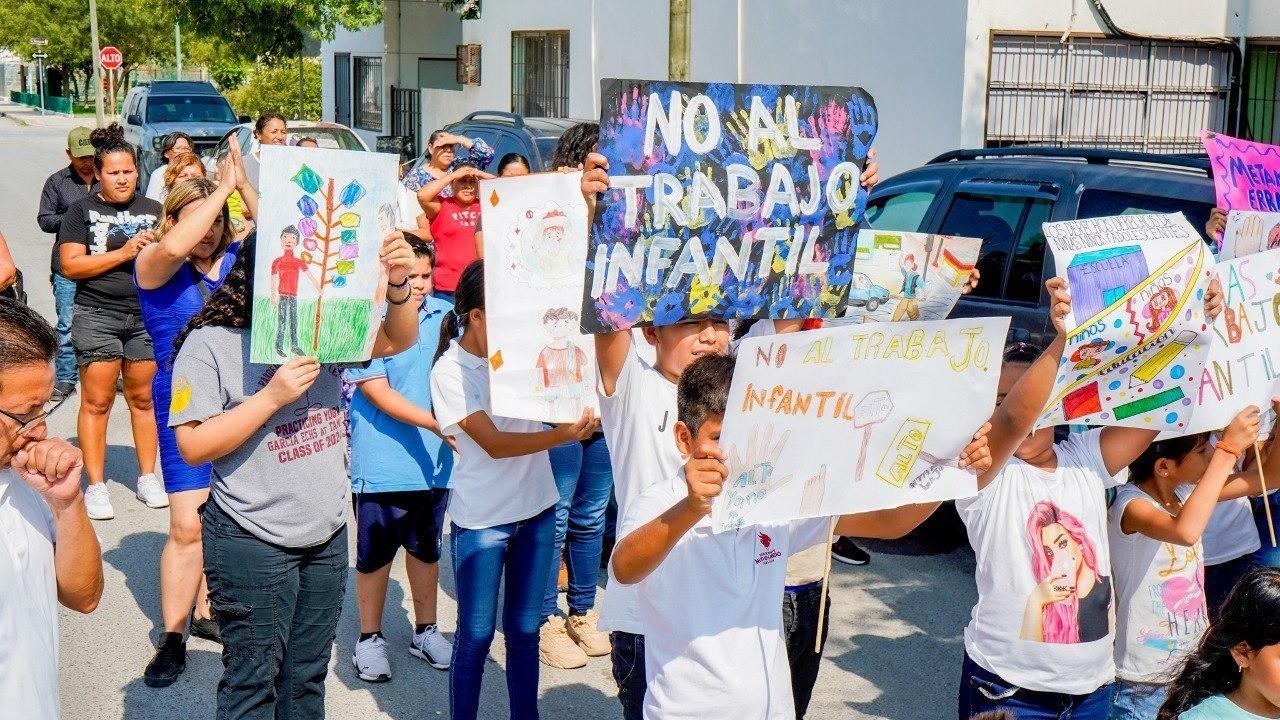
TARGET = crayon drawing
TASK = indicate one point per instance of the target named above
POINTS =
(907, 276)
(318, 283)
(541, 367)
(1249, 232)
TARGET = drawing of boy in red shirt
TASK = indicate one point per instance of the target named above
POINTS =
(284, 290)
(562, 366)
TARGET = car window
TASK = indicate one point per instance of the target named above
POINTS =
(189, 108)
(1102, 203)
(507, 143)
(546, 148)
(332, 138)
(903, 212)
(1008, 226)
(243, 136)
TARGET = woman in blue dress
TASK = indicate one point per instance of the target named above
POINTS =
(174, 277)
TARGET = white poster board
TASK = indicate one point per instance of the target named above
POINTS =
(318, 283)
(907, 276)
(1137, 336)
(541, 367)
(1249, 232)
(855, 418)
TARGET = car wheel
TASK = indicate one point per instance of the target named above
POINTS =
(872, 304)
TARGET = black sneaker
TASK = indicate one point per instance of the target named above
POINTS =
(844, 550)
(206, 628)
(169, 662)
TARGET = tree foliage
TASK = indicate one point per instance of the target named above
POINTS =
(273, 29)
(273, 87)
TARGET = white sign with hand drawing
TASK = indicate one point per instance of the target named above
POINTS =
(855, 418)
(535, 245)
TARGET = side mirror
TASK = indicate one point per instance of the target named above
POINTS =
(133, 119)
(243, 119)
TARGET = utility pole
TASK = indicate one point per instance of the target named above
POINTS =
(177, 51)
(678, 39)
(97, 60)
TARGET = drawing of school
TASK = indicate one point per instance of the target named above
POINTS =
(1102, 277)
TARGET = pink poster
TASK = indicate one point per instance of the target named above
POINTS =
(1246, 175)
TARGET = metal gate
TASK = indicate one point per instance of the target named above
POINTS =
(406, 116)
(1262, 93)
(1118, 93)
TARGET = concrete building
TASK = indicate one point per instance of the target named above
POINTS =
(944, 73)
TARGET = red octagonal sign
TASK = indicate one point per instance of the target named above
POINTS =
(110, 57)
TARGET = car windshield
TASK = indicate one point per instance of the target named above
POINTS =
(1102, 203)
(189, 108)
(332, 138)
(546, 147)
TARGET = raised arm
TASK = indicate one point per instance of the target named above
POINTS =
(1249, 482)
(399, 329)
(248, 193)
(612, 348)
(157, 263)
(78, 264)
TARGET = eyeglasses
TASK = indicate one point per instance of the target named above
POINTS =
(25, 424)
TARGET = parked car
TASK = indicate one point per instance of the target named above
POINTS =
(864, 293)
(326, 134)
(153, 110)
(1004, 195)
(532, 137)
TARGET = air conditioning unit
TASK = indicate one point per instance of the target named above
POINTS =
(468, 65)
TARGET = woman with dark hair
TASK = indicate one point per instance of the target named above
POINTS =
(442, 149)
(174, 277)
(575, 144)
(173, 145)
(99, 238)
(1234, 674)
(274, 529)
(269, 129)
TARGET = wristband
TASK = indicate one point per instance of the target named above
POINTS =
(407, 295)
(399, 285)
(1228, 449)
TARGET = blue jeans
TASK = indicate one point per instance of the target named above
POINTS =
(627, 656)
(278, 611)
(520, 551)
(983, 691)
(64, 299)
(1266, 555)
(1137, 701)
(585, 480)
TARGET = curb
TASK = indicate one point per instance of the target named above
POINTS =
(19, 121)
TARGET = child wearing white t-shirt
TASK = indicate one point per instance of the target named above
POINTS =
(502, 508)
(711, 603)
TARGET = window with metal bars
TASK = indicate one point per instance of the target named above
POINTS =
(1117, 93)
(1262, 92)
(540, 73)
(368, 93)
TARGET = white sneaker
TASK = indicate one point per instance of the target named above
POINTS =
(431, 646)
(370, 660)
(151, 492)
(97, 502)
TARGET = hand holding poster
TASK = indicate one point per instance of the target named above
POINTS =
(1137, 335)
(907, 276)
(318, 282)
(535, 243)
(1249, 232)
(1246, 175)
(732, 201)
(799, 402)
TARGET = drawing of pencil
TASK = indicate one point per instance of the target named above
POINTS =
(1152, 366)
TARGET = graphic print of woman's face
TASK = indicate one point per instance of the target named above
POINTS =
(1061, 551)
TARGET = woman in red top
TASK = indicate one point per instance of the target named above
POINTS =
(453, 223)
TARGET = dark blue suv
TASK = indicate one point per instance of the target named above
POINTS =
(1003, 195)
(533, 137)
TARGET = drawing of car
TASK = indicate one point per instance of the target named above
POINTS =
(863, 292)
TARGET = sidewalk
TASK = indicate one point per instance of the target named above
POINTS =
(24, 115)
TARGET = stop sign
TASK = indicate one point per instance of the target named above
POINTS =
(110, 57)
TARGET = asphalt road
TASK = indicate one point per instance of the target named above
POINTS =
(894, 651)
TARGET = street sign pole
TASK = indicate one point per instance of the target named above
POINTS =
(40, 77)
(97, 65)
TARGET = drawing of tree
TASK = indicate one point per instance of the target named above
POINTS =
(329, 233)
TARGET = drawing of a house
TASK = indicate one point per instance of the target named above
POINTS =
(1102, 277)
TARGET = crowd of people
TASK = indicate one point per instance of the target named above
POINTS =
(1155, 603)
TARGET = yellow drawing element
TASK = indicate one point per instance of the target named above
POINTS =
(1197, 247)
(739, 124)
(1175, 566)
(1152, 367)
(181, 395)
(704, 297)
(495, 360)
(493, 198)
(349, 219)
(903, 452)
(819, 352)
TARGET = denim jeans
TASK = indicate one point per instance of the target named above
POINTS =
(1221, 578)
(520, 551)
(629, 673)
(1137, 701)
(64, 299)
(800, 628)
(1266, 556)
(585, 480)
(983, 691)
(278, 610)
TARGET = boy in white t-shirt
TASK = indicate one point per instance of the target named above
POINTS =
(711, 603)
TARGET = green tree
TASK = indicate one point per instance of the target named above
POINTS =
(274, 29)
(273, 87)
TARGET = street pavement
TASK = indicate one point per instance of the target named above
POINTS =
(896, 625)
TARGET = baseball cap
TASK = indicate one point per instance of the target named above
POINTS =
(78, 142)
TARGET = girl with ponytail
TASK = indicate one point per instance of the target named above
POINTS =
(502, 506)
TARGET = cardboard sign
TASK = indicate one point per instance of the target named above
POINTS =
(855, 418)
(318, 284)
(535, 233)
(1249, 232)
(729, 201)
(907, 276)
(1246, 175)
(1137, 335)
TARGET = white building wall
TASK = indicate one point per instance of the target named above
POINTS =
(365, 42)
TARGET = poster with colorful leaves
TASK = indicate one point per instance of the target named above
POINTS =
(728, 201)
(1137, 336)
(318, 285)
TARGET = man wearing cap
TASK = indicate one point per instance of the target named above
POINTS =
(63, 188)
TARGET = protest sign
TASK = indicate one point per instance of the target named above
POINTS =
(318, 284)
(731, 201)
(535, 242)
(1137, 336)
(800, 402)
(1249, 232)
(907, 276)
(1246, 175)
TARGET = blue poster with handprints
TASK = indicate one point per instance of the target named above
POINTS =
(726, 201)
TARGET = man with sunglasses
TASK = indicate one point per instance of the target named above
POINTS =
(48, 548)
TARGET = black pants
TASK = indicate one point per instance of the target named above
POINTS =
(287, 316)
(800, 627)
(628, 672)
